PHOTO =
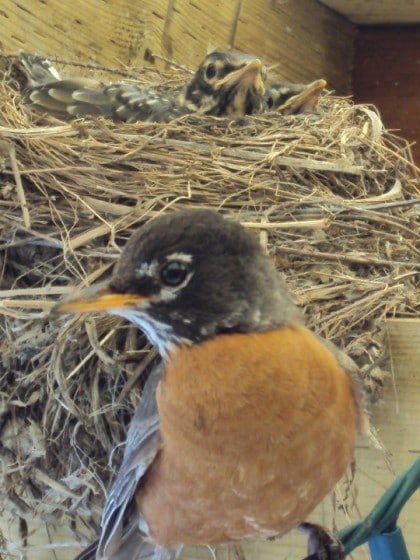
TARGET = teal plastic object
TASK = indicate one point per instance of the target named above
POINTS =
(388, 546)
(382, 520)
(379, 528)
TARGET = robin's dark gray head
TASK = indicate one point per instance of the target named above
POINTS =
(189, 275)
(227, 84)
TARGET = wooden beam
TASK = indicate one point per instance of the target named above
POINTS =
(404, 341)
(387, 73)
(306, 40)
(303, 38)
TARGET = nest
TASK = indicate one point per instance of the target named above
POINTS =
(333, 196)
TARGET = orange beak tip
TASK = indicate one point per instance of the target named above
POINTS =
(78, 302)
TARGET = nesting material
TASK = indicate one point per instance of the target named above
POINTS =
(333, 196)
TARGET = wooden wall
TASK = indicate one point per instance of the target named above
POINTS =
(387, 73)
(306, 39)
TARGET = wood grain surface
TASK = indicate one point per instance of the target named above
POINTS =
(303, 38)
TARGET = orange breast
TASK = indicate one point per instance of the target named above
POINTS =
(257, 429)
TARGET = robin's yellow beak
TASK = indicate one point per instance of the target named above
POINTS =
(306, 100)
(248, 75)
(97, 298)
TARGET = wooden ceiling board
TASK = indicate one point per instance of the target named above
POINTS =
(374, 12)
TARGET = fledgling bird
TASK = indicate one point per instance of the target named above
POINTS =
(225, 84)
(249, 421)
(293, 99)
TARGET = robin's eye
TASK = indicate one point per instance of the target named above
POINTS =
(210, 71)
(174, 273)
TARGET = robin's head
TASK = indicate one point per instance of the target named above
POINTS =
(292, 99)
(227, 84)
(186, 276)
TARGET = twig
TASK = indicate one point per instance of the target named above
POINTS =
(348, 257)
(171, 63)
(306, 224)
(19, 187)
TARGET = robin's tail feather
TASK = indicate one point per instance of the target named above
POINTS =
(39, 70)
(129, 544)
(133, 549)
(89, 553)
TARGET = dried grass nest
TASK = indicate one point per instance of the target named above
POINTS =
(333, 196)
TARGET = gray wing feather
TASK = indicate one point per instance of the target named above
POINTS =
(355, 376)
(121, 536)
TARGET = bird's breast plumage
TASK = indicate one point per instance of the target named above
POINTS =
(254, 481)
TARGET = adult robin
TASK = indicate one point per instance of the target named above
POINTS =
(293, 99)
(248, 422)
(225, 84)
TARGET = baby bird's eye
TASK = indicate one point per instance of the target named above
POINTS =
(210, 71)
